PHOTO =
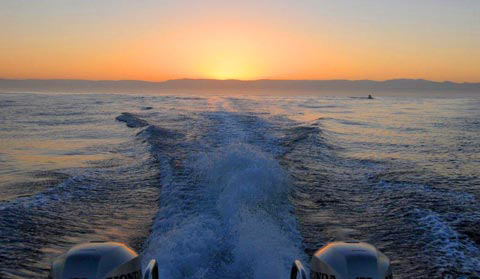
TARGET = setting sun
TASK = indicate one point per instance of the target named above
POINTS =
(230, 60)
(197, 39)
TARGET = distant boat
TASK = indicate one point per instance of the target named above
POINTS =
(370, 97)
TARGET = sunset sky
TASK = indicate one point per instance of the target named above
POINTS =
(159, 40)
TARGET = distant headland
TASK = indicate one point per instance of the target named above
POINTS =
(132, 86)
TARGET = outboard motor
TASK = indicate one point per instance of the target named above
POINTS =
(101, 260)
(345, 260)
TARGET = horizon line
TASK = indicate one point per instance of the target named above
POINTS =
(232, 79)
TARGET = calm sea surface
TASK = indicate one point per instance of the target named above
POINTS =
(238, 186)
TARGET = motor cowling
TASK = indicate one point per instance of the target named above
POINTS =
(101, 260)
(346, 260)
(349, 260)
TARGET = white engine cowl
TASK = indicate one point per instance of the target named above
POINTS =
(105, 260)
(349, 260)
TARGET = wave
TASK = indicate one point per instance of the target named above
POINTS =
(89, 204)
(454, 255)
(132, 120)
(236, 222)
(440, 216)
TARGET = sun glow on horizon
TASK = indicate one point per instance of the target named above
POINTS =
(230, 60)
(230, 68)
(246, 40)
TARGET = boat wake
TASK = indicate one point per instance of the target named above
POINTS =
(223, 213)
(238, 218)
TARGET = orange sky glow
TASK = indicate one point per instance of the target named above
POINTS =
(274, 40)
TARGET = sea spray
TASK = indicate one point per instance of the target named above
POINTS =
(242, 224)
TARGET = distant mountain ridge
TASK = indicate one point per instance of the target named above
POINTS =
(123, 86)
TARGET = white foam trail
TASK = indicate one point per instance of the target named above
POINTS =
(241, 225)
(445, 243)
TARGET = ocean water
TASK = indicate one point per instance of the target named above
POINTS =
(238, 186)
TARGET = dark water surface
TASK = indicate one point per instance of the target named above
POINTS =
(239, 186)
